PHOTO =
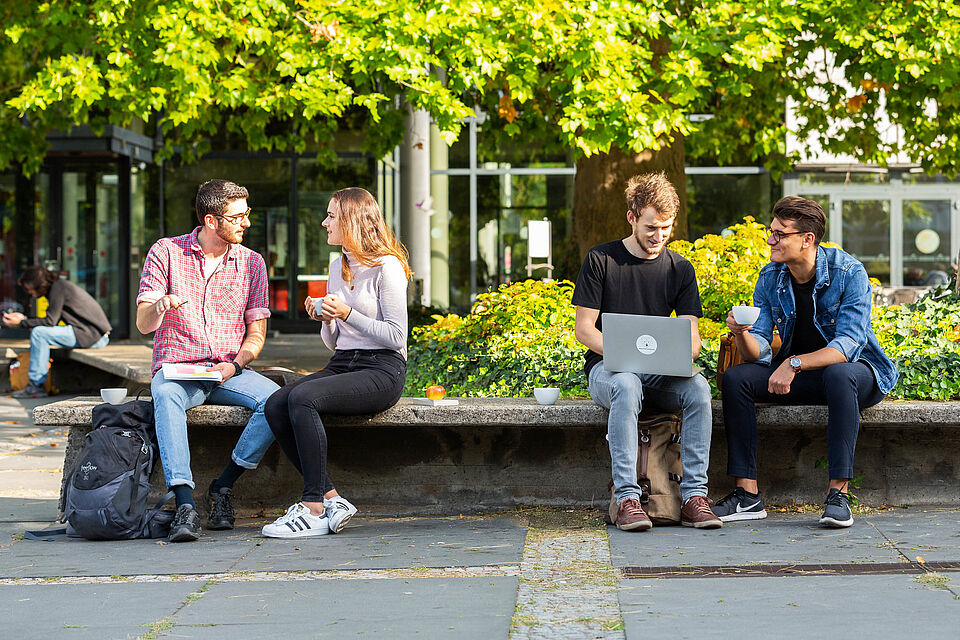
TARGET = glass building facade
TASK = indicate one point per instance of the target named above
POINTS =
(99, 203)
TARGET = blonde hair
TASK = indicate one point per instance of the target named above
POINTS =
(366, 236)
(652, 190)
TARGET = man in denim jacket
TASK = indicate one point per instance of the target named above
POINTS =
(819, 300)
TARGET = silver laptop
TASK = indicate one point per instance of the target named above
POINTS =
(647, 344)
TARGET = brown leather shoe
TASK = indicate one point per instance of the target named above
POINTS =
(632, 517)
(696, 512)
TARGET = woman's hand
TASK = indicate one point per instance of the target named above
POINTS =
(334, 308)
(311, 309)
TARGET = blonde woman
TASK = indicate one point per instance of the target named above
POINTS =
(364, 321)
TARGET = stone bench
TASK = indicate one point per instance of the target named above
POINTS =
(496, 452)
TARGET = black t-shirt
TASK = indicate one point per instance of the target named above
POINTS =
(613, 280)
(806, 337)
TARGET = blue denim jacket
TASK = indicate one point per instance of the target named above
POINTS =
(841, 312)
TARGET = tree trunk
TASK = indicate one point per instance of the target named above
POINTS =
(599, 204)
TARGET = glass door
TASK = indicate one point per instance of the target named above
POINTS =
(926, 242)
(866, 235)
(90, 249)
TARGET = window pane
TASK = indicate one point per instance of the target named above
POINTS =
(866, 235)
(926, 242)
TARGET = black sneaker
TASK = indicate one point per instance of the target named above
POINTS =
(186, 524)
(837, 513)
(221, 510)
(739, 505)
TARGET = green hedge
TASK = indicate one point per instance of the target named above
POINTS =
(521, 336)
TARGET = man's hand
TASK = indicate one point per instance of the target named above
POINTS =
(333, 307)
(226, 369)
(168, 302)
(779, 382)
(13, 319)
(736, 329)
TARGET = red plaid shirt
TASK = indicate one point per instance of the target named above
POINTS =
(212, 326)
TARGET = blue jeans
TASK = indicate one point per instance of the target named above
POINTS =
(623, 394)
(42, 338)
(172, 398)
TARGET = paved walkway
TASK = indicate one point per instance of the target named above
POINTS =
(535, 573)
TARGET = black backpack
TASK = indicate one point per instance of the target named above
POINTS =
(106, 492)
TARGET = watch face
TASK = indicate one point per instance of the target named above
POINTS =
(795, 362)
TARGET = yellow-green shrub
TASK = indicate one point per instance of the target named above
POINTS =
(727, 266)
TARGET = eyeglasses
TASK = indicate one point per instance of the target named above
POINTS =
(780, 235)
(237, 219)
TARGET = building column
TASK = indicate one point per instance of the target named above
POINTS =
(439, 223)
(415, 202)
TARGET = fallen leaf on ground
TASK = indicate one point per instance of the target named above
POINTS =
(54, 444)
(921, 560)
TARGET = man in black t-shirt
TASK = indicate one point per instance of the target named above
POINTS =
(639, 275)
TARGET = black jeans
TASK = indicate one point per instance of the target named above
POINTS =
(845, 387)
(355, 382)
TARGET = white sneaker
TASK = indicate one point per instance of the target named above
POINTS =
(338, 511)
(297, 522)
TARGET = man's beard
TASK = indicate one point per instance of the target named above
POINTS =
(224, 235)
(647, 250)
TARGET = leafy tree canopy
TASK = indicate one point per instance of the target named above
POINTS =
(589, 73)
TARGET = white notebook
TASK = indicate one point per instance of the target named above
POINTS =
(196, 372)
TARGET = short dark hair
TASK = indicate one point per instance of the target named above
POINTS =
(652, 190)
(807, 215)
(214, 196)
(38, 278)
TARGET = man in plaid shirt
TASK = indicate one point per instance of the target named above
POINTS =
(205, 295)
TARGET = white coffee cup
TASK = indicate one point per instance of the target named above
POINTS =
(546, 395)
(114, 395)
(318, 302)
(745, 315)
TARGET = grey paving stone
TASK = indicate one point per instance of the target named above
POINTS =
(931, 533)
(94, 611)
(216, 551)
(465, 608)
(27, 510)
(786, 608)
(779, 539)
(392, 544)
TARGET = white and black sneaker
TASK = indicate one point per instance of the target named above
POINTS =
(740, 505)
(836, 512)
(297, 522)
(339, 511)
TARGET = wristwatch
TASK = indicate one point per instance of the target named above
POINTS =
(237, 367)
(795, 363)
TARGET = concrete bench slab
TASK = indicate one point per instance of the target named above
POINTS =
(495, 412)
(495, 452)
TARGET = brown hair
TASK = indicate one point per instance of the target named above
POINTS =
(214, 196)
(807, 215)
(365, 233)
(39, 279)
(652, 190)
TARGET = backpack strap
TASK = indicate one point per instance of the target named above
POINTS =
(44, 536)
(644, 451)
(156, 508)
